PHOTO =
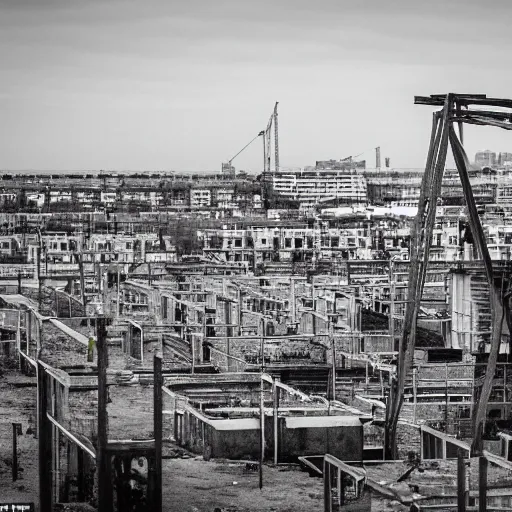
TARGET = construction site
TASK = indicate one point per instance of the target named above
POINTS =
(291, 341)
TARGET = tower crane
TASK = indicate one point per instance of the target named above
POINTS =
(267, 138)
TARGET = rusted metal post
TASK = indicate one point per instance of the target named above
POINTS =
(461, 482)
(103, 459)
(45, 444)
(157, 427)
(496, 301)
(482, 484)
(421, 233)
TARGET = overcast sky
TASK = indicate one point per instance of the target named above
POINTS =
(168, 85)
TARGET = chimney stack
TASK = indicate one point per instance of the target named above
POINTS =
(377, 157)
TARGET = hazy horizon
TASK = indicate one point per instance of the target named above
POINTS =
(183, 86)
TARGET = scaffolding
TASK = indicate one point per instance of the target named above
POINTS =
(455, 109)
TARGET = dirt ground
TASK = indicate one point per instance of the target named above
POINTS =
(17, 405)
(189, 485)
(193, 485)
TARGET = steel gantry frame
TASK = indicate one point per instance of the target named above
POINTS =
(459, 109)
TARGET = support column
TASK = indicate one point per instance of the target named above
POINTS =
(157, 422)
(461, 482)
(45, 444)
(482, 484)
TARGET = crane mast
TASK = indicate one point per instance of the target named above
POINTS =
(276, 139)
(268, 142)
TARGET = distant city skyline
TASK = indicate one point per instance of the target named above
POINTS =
(167, 85)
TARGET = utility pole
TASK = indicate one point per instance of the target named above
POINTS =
(104, 465)
(262, 404)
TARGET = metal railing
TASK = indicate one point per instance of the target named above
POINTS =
(341, 483)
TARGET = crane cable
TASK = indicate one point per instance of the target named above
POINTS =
(248, 144)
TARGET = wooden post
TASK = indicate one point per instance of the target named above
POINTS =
(505, 382)
(118, 292)
(262, 433)
(333, 382)
(461, 482)
(240, 316)
(193, 351)
(103, 458)
(482, 484)
(341, 487)
(446, 397)
(327, 487)
(157, 421)
(82, 281)
(276, 421)
(45, 444)
(38, 262)
(415, 391)
(81, 475)
(421, 443)
(15, 428)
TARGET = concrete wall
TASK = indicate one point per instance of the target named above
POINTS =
(345, 443)
(233, 444)
(240, 439)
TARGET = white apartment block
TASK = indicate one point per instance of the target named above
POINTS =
(313, 186)
(499, 241)
(200, 197)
